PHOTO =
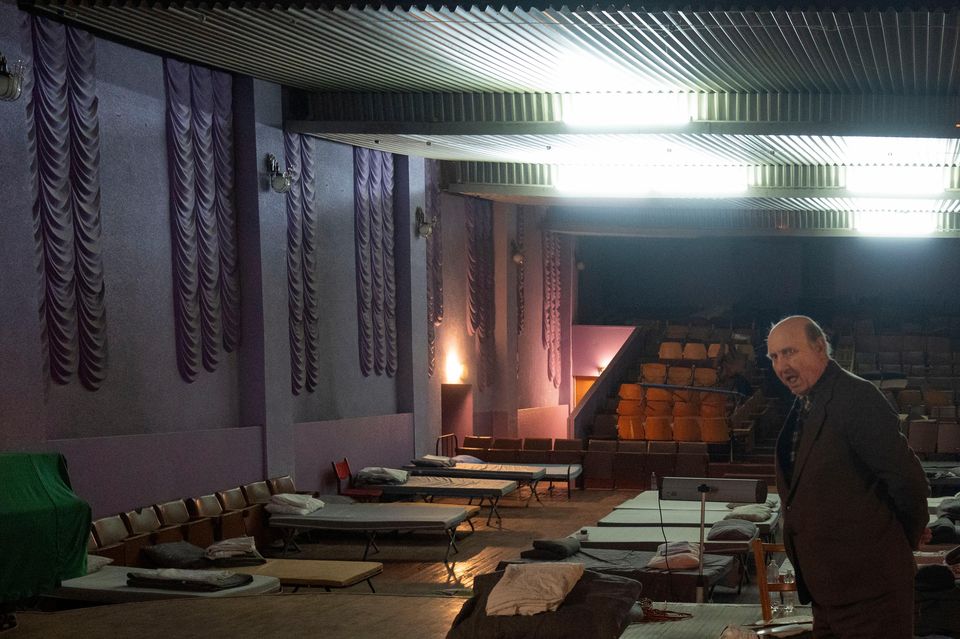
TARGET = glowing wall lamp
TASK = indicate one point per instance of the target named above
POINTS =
(454, 371)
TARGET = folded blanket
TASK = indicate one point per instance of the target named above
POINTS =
(177, 579)
(558, 548)
(295, 499)
(732, 530)
(235, 547)
(283, 509)
(949, 508)
(529, 589)
(373, 475)
(944, 531)
(433, 461)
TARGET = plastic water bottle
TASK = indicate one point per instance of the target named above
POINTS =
(773, 576)
(789, 597)
(653, 481)
(583, 534)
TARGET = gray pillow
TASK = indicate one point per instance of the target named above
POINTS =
(944, 532)
(177, 554)
(732, 530)
(949, 508)
(599, 607)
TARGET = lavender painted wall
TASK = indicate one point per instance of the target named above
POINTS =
(21, 379)
(545, 421)
(120, 473)
(386, 440)
(593, 346)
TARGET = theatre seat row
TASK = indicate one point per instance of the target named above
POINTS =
(678, 375)
(927, 436)
(234, 512)
(607, 463)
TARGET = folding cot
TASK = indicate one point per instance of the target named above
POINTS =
(650, 537)
(109, 585)
(316, 573)
(522, 474)
(650, 500)
(659, 585)
(372, 518)
(490, 490)
(679, 519)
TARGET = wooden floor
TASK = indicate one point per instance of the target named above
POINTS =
(413, 563)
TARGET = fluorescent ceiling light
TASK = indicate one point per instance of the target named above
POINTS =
(625, 109)
(896, 224)
(638, 181)
(897, 151)
(896, 180)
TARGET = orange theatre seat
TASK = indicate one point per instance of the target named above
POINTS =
(671, 350)
(686, 429)
(630, 427)
(630, 391)
(658, 428)
(342, 471)
(653, 373)
(680, 375)
(694, 351)
(703, 376)
(715, 429)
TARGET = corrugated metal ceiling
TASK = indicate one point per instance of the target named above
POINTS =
(871, 70)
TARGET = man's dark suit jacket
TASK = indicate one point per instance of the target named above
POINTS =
(855, 506)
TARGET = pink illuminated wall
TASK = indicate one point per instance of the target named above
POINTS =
(595, 346)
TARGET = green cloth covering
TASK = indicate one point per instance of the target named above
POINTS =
(43, 525)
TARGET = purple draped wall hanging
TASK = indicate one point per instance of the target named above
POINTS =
(551, 305)
(481, 285)
(64, 137)
(303, 277)
(521, 311)
(376, 275)
(434, 262)
(203, 219)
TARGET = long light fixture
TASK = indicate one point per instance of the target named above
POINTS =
(896, 180)
(895, 223)
(651, 181)
(625, 109)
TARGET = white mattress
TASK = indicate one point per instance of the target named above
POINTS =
(109, 585)
(650, 500)
(648, 538)
(450, 487)
(372, 517)
(676, 518)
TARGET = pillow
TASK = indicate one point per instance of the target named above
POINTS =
(771, 503)
(529, 589)
(598, 607)
(560, 548)
(949, 508)
(732, 530)
(750, 512)
(96, 562)
(943, 532)
(934, 577)
(674, 561)
(467, 459)
(953, 557)
(177, 554)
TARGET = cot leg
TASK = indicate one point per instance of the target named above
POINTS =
(493, 511)
(370, 583)
(450, 546)
(533, 491)
(371, 541)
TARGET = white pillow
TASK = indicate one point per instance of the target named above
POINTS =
(529, 589)
(96, 562)
(752, 512)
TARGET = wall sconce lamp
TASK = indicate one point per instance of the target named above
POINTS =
(516, 253)
(424, 227)
(11, 82)
(279, 182)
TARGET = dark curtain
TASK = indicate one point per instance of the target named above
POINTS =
(303, 278)
(481, 285)
(64, 134)
(203, 219)
(434, 262)
(376, 275)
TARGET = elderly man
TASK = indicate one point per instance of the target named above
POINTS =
(854, 494)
